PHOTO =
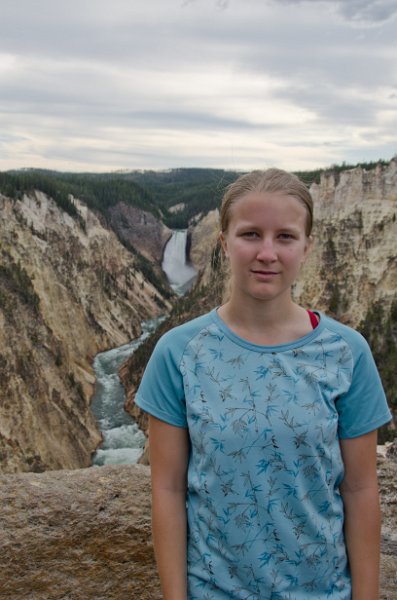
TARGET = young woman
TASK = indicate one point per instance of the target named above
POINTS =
(263, 420)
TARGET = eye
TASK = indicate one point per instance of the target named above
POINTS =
(249, 234)
(286, 236)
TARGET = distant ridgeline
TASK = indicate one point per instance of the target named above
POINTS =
(98, 191)
(196, 190)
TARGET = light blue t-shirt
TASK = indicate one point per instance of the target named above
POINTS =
(265, 515)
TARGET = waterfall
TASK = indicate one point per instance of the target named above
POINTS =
(180, 274)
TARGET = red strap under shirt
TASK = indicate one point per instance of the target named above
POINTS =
(313, 319)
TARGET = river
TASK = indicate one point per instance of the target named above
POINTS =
(123, 441)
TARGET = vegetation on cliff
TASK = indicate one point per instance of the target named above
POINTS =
(197, 191)
(380, 330)
(15, 282)
(200, 190)
(15, 185)
(98, 191)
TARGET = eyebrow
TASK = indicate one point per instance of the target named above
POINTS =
(252, 225)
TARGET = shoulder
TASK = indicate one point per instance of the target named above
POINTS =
(161, 392)
(362, 406)
(175, 340)
(356, 342)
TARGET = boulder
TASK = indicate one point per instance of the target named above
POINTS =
(86, 534)
(82, 534)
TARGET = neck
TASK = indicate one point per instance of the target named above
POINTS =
(266, 322)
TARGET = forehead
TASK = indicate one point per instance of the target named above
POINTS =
(269, 205)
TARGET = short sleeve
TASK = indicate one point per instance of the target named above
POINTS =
(161, 392)
(363, 407)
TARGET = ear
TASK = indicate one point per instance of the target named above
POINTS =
(222, 239)
(308, 248)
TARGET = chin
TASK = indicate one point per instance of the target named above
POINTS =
(265, 293)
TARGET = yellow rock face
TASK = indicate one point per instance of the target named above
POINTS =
(67, 291)
(354, 259)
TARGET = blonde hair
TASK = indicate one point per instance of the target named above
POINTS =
(270, 180)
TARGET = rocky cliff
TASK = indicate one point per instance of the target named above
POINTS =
(354, 259)
(139, 229)
(85, 534)
(68, 289)
(81, 535)
(203, 238)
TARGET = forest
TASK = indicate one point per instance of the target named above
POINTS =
(197, 190)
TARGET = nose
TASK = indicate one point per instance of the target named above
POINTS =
(266, 251)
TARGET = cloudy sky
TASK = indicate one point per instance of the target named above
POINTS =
(136, 84)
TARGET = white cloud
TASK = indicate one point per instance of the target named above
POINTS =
(370, 12)
(181, 83)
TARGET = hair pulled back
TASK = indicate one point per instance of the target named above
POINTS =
(271, 180)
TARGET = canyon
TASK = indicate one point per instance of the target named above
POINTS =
(68, 289)
(71, 287)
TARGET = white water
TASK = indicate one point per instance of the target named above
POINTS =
(180, 274)
(123, 440)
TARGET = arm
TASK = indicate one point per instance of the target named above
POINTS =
(169, 451)
(360, 495)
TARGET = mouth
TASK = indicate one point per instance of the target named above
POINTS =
(263, 272)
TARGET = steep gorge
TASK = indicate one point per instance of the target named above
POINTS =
(68, 289)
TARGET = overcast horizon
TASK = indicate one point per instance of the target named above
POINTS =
(100, 86)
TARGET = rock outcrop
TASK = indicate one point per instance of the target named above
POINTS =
(86, 534)
(354, 259)
(68, 289)
(203, 237)
(81, 535)
(139, 229)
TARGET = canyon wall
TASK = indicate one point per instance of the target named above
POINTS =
(68, 289)
(353, 263)
(140, 230)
